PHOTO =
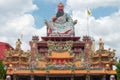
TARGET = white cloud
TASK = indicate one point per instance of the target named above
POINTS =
(16, 6)
(83, 4)
(107, 27)
(53, 1)
(16, 20)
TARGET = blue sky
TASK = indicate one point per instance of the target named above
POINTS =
(46, 9)
(103, 11)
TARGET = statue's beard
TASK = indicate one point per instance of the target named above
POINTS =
(59, 13)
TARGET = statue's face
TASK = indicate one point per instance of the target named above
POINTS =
(60, 7)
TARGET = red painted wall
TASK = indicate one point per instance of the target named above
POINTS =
(3, 46)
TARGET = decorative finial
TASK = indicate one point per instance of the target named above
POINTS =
(101, 44)
(18, 44)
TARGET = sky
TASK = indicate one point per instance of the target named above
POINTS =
(26, 18)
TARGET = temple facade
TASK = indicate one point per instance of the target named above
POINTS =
(61, 55)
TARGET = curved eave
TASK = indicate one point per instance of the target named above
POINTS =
(50, 57)
(24, 63)
(111, 72)
(60, 72)
(95, 62)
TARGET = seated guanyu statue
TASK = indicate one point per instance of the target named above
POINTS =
(61, 23)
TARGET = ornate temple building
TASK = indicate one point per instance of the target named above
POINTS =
(60, 55)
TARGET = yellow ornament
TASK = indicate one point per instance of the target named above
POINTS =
(10, 65)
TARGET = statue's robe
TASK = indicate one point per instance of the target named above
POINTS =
(62, 25)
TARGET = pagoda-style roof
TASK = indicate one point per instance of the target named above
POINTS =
(105, 55)
(24, 55)
(95, 56)
(14, 62)
(97, 62)
(100, 55)
(65, 54)
(105, 62)
(15, 55)
(24, 63)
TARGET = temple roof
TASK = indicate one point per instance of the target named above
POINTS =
(15, 55)
(60, 55)
(102, 55)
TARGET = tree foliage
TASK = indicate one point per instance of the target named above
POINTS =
(118, 70)
(2, 70)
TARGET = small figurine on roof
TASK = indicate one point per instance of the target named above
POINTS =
(18, 44)
(10, 68)
(101, 44)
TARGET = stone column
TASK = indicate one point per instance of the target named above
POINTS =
(112, 77)
(72, 77)
(8, 77)
(32, 77)
(47, 78)
(87, 77)
(14, 77)
(104, 77)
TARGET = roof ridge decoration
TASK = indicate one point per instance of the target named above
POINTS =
(59, 47)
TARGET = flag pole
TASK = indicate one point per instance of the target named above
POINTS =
(87, 25)
(21, 36)
(88, 14)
